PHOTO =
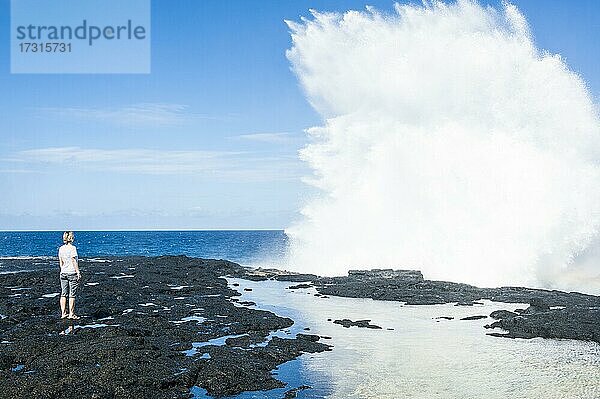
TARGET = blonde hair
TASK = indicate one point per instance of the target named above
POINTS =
(68, 237)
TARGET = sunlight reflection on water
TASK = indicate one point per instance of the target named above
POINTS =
(423, 357)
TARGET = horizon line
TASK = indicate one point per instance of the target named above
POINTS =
(129, 230)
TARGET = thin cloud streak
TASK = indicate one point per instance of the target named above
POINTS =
(275, 138)
(221, 164)
(16, 171)
(135, 115)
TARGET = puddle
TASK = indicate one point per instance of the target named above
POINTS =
(179, 287)
(99, 325)
(197, 319)
(122, 276)
(17, 368)
(220, 341)
(279, 334)
(52, 295)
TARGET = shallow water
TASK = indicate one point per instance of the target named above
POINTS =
(423, 357)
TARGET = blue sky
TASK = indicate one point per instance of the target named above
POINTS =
(209, 139)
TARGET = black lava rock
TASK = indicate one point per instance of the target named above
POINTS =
(298, 286)
(358, 323)
(502, 314)
(138, 318)
(476, 317)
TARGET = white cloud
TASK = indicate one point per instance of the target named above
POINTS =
(221, 164)
(135, 115)
(16, 171)
(276, 138)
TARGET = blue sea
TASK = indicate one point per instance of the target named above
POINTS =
(248, 247)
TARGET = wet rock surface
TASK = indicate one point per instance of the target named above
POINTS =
(502, 314)
(293, 393)
(475, 317)
(539, 320)
(358, 323)
(149, 329)
(299, 286)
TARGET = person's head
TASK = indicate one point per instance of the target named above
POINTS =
(68, 237)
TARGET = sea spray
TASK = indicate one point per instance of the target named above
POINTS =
(450, 144)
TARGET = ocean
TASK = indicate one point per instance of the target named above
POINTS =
(247, 247)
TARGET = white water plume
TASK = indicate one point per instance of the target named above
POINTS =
(450, 144)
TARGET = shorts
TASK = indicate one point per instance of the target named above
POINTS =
(68, 285)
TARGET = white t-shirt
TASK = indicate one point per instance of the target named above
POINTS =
(66, 253)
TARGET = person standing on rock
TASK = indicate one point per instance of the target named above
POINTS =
(69, 275)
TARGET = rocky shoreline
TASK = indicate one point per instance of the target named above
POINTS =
(151, 329)
(157, 327)
(549, 314)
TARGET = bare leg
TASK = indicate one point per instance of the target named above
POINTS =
(71, 307)
(63, 306)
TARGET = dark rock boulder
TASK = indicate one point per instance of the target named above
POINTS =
(358, 323)
(536, 305)
(502, 314)
(293, 393)
(476, 317)
(298, 286)
(580, 323)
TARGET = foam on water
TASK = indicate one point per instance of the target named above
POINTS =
(450, 144)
